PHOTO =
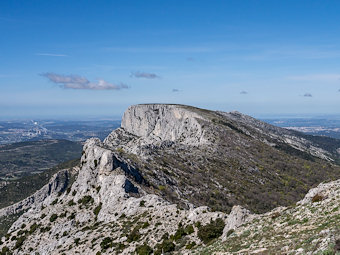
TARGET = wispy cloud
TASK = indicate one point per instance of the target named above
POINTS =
(78, 82)
(51, 55)
(316, 77)
(307, 95)
(193, 49)
(144, 75)
(175, 90)
(243, 92)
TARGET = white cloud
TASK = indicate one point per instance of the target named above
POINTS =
(78, 82)
(51, 55)
(144, 75)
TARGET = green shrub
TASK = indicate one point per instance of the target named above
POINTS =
(189, 229)
(98, 189)
(190, 245)
(161, 187)
(134, 235)
(5, 251)
(85, 200)
(71, 203)
(45, 229)
(179, 234)
(211, 231)
(33, 228)
(145, 225)
(53, 217)
(106, 243)
(97, 209)
(20, 241)
(95, 163)
(142, 203)
(164, 247)
(68, 190)
(144, 250)
(74, 193)
(72, 216)
(230, 231)
(76, 241)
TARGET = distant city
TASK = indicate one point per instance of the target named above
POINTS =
(32, 130)
(323, 126)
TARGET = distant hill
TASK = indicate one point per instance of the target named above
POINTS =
(25, 158)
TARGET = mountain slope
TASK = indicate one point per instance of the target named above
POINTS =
(140, 189)
(219, 159)
(312, 226)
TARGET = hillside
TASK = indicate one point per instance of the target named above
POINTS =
(176, 179)
(25, 158)
(191, 155)
(19, 190)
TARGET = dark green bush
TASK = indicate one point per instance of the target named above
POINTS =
(106, 243)
(85, 200)
(33, 228)
(144, 250)
(45, 229)
(230, 231)
(211, 231)
(20, 241)
(5, 251)
(53, 217)
(164, 247)
(134, 235)
(179, 234)
(145, 225)
(76, 241)
(71, 203)
(97, 209)
(189, 229)
(190, 245)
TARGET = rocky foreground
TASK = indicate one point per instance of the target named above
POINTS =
(124, 200)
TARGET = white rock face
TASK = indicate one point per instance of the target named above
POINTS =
(236, 218)
(57, 183)
(164, 123)
(109, 184)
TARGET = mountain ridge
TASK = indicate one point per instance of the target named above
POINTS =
(163, 189)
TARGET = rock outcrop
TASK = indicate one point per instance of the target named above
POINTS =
(237, 217)
(157, 123)
(58, 183)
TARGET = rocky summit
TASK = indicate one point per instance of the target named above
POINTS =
(179, 179)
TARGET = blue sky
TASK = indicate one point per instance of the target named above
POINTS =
(95, 58)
